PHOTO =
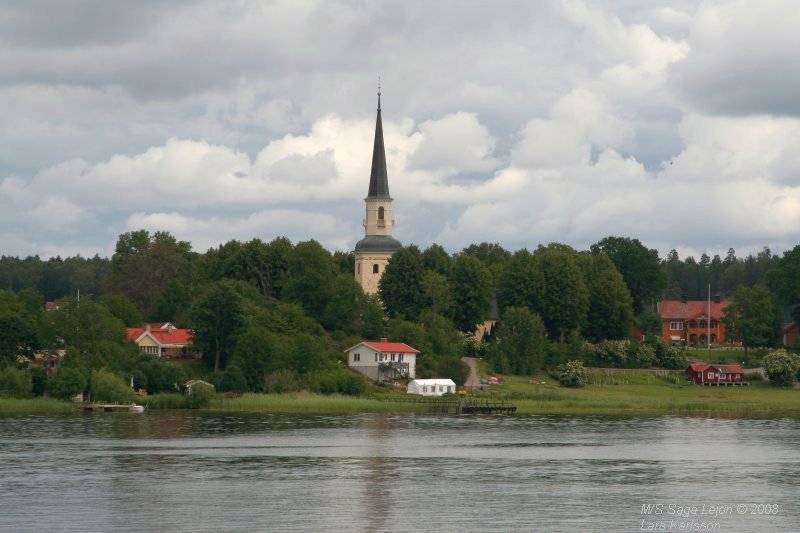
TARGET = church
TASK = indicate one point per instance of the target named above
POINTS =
(372, 253)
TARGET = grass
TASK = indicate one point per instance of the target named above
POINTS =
(36, 405)
(306, 402)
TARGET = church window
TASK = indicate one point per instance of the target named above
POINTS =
(380, 213)
(358, 268)
(375, 268)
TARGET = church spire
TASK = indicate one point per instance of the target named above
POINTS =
(378, 179)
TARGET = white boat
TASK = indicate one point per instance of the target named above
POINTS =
(137, 408)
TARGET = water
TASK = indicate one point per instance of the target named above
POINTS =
(184, 471)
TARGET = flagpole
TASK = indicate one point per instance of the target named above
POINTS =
(708, 322)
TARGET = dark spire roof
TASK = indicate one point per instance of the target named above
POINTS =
(378, 179)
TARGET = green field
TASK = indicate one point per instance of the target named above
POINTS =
(35, 405)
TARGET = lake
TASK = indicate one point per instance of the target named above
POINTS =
(190, 471)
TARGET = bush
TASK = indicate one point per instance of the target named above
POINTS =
(165, 401)
(200, 396)
(281, 381)
(669, 356)
(453, 368)
(781, 368)
(572, 374)
(68, 383)
(109, 387)
(233, 379)
(340, 381)
(15, 383)
(641, 355)
(613, 354)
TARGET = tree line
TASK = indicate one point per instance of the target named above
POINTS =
(276, 316)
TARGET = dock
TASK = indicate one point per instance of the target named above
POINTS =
(110, 407)
(460, 406)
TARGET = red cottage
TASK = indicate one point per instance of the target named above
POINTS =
(715, 374)
(689, 322)
(791, 332)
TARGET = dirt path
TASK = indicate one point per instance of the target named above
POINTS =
(474, 379)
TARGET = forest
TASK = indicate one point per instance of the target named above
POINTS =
(276, 316)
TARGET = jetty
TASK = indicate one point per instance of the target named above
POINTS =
(112, 407)
(460, 406)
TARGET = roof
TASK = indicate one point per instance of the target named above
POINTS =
(378, 179)
(378, 243)
(386, 347)
(789, 326)
(433, 381)
(672, 309)
(730, 368)
(170, 335)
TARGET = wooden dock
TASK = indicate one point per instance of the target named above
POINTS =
(108, 407)
(460, 406)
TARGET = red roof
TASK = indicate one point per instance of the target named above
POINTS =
(698, 367)
(397, 347)
(676, 309)
(163, 335)
(732, 368)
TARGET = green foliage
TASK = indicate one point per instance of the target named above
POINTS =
(340, 381)
(751, 317)
(68, 383)
(436, 259)
(85, 325)
(217, 317)
(471, 290)
(453, 368)
(437, 290)
(123, 309)
(200, 396)
(38, 380)
(157, 375)
(785, 279)
(109, 387)
(517, 283)
(15, 382)
(649, 322)
(17, 337)
(347, 306)
(610, 308)
(282, 381)
(521, 342)
(562, 299)
(613, 354)
(233, 379)
(572, 374)
(781, 367)
(667, 355)
(400, 288)
(311, 278)
(639, 267)
(144, 265)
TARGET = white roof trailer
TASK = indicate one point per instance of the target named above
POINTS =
(431, 387)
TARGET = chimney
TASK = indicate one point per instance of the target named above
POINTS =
(384, 339)
(147, 328)
(717, 298)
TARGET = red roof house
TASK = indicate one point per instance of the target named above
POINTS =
(715, 374)
(692, 322)
(383, 360)
(164, 340)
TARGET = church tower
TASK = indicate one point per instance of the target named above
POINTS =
(372, 253)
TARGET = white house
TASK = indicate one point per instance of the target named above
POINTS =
(383, 360)
(431, 387)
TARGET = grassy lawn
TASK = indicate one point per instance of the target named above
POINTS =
(36, 405)
(642, 394)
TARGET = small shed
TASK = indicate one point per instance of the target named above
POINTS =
(431, 387)
(715, 374)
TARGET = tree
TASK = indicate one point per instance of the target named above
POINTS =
(781, 367)
(437, 289)
(123, 309)
(17, 337)
(562, 299)
(15, 382)
(453, 368)
(109, 387)
(400, 287)
(610, 308)
(784, 280)
(68, 383)
(572, 374)
(345, 309)
(521, 340)
(143, 265)
(311, 278)
(217, 317)
(435, 258)
(639, 267)
(471, 291)
(518, 280)
(751, 317)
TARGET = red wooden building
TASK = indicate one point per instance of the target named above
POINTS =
(715, 374)
(689, 322)
(791, 332)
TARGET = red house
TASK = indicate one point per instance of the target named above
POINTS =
(689, 322)
(163, 340)
(715, 374)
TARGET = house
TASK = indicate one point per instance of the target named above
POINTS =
(715, 374)
(163, 340)
(383, 360)
(791, 332)
(431, 387)
(49, 361)
(693, 321)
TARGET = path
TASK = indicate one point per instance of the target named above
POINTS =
(474, 379)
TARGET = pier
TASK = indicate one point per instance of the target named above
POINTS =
(111, 407)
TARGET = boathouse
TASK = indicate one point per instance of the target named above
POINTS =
(715, 374)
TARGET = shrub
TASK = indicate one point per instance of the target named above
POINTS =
(340, 381)
(642, 355)
(68, 383)
(453, 368)
(165, 401)
(200, 396)
(109, 387)
(283, 380)
(781, 368)
(572, 374)
(233, 379)
(613, 354)
(15, 383)
(669, 356)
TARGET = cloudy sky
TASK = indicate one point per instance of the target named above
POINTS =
(514, 122)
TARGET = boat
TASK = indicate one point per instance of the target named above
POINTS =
(136, 408)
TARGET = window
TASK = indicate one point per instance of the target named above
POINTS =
(392, 357)
(692, 324)
(375, 268)
(380, 213)
(153, 350)
(710, 375)
(358, 268)
(703, 324)
(713, 324)
(376, 358)
(400, 358)
(356, 357)
(676, 326)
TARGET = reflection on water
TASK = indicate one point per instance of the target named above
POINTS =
(183, 471)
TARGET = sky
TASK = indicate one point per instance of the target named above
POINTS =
(521, 123)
